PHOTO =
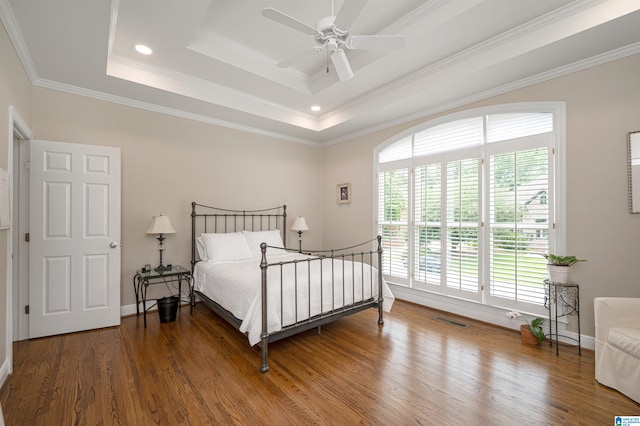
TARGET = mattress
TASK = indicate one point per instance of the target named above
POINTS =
(299, 288)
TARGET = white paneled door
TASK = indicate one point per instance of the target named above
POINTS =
(74, 263)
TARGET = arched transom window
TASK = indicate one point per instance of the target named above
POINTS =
(467, 206)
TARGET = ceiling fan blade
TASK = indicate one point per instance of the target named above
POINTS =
(348, 13)
(341, 65)
(298, 56)
(281, 18)
(376, 42)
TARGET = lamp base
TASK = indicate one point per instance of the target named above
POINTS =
(162, 268)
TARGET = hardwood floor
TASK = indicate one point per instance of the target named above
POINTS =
(199, 370)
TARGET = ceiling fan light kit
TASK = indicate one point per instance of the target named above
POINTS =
(341, 65)
(329, 34)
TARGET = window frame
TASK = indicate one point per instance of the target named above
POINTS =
(557, 191)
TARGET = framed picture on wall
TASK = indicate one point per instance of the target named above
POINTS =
(343, 191)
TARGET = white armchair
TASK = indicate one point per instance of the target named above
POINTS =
(618, 344)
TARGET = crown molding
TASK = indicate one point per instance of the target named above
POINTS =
(484, 48)
(9, 21)
(167, 80)
(333, 117)
(93, 94)
(582, 65)
(519, 84)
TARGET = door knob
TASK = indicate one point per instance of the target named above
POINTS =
(113, 244)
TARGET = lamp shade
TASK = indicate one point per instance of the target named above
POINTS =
(300, 224)
(160, 225)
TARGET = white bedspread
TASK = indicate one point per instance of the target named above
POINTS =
(236, 287)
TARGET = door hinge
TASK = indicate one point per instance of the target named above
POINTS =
(27, 165)
(26, 237)
(26, 309)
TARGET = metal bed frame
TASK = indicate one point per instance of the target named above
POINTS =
(212, 219)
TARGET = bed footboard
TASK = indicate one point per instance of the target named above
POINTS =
(351, 291)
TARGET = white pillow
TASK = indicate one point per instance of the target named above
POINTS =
(201, 249)
(225, 247)
(272, 238)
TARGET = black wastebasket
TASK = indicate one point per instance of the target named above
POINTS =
(168, 308)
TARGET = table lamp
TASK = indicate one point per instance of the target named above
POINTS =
(300, 224)
(161, 225)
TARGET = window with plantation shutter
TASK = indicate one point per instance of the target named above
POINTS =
(393, 217)
(448, 137)
(427, 251)
(519, 223)
(466, 207)
(398, 151)
(502, 127)
(463, 217)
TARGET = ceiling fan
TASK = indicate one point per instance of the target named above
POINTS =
(332, 33)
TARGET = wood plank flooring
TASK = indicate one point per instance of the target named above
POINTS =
(199, 371)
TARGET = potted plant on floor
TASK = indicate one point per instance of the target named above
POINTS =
(558, 267)
(530, 333)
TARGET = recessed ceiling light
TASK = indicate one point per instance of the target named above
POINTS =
(145, 50)
(315, 108)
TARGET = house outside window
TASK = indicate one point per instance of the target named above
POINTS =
(467, 205)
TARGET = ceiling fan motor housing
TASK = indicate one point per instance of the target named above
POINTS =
(325, 24)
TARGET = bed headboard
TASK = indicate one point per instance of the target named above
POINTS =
(206, 219)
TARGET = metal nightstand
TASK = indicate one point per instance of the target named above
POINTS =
(143, 279)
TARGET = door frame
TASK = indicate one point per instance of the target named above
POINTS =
(18, 132)
(20, 246)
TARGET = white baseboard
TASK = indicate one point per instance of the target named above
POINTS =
(127, 310)
(477, 311)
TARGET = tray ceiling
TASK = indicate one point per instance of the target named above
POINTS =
(216, 60)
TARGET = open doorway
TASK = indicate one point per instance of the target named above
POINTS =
(17, 271)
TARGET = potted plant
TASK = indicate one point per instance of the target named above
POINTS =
(530, 333)
(558, 267)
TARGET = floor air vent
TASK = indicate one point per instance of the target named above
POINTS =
(451, 322)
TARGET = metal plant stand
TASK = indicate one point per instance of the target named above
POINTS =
(562, 299)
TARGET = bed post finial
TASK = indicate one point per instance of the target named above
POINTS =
(193, 235)
(264, 336)
(284, 225)
(380, 296)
